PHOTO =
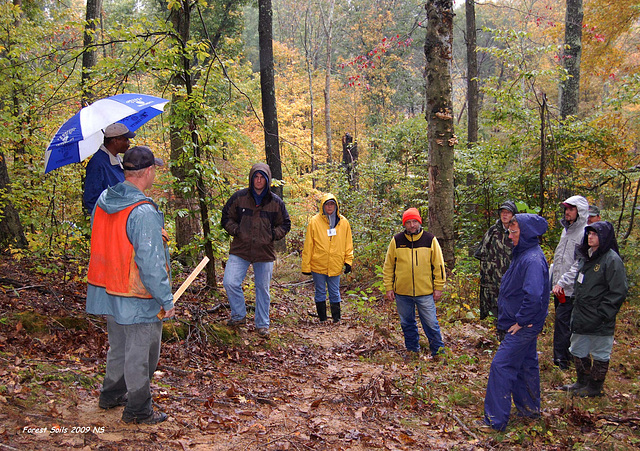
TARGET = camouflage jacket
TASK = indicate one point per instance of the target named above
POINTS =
(494, 254)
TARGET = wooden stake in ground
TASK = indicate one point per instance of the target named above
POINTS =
(186, 284)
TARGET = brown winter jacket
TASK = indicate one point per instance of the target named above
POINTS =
(254, 228)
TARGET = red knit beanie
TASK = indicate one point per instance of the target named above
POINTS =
(411, 213)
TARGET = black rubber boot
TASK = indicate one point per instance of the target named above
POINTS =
(583, 371)
(321, 307)
(598, 375)
(335, 312)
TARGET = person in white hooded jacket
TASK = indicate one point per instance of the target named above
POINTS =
(565, 269)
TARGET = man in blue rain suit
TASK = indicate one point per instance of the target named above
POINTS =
(522, 309)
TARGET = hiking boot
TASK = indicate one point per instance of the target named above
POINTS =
(119, 401)
(263, 332)
(236, 322)
(154, 418)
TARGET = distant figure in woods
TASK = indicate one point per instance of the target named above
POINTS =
(350, 158)
(328, 247)
(105, 166)
(600, 289)
(576, 212)
(522, 309)
(414, 276)
(130, 282)
(255, 218)
(494, 254)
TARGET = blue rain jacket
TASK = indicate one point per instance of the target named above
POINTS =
(524, 290)
(144, 229)
(101, 174)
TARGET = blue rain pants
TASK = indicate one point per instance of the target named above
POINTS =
(514, 373)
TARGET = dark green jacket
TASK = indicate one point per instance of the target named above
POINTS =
(600, 287)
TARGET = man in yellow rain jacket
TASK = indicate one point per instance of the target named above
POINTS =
(327, 248)
(414, 277)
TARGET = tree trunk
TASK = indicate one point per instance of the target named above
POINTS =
(188, 226)
(570, 88)
(328, 30)
(472, 75)
(90, 54)
(11, 232)
(311, 102)
(268, 89)
(439, 115)
(543, 150)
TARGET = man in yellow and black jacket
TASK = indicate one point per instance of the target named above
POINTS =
(414, 277)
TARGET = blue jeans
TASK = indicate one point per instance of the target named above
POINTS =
(134, 350)
(322, 282)
(234, 274)
(514, 373)
(427, 311)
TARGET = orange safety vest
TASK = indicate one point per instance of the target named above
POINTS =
(111, 265)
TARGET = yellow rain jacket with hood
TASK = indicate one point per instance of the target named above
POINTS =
(325, 252)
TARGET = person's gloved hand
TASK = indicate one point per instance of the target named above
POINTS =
(347, 268)
(306, 273)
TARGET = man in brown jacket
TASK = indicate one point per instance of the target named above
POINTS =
(255, 218)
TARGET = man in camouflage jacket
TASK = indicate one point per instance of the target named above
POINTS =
(494, 254)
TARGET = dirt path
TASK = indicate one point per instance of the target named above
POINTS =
(311, 386)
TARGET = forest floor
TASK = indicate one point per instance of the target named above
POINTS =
(345, 386)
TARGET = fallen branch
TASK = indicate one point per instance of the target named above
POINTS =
(295, 284)
(464, 426)
(630, 420)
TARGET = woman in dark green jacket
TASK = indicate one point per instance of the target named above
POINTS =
(599, 291)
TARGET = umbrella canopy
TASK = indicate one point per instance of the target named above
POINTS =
(81, 136)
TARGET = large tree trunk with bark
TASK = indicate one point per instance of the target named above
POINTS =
(90, 54)
(268, 89)
(439, 115)
(472, 74)
(11, 232)
(570, 88)
(188, 226)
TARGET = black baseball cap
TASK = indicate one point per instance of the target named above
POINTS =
(139, 157)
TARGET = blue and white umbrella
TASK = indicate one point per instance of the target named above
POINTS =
(81, 136)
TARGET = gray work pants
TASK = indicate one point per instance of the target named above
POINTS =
(132, 359)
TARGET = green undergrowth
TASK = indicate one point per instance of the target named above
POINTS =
(36, 323)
